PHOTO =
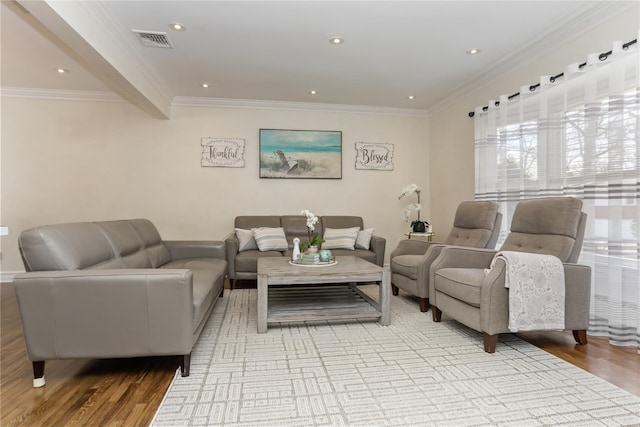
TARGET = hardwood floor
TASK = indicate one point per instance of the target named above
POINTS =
(127, 392)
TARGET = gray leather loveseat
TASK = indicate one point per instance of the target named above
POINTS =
(114, 289)
(243, 263)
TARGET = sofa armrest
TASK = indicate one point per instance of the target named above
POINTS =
(463, 257)
(410, 247)
(377, 245)
(106, 313)
(232, 245)
(185, 249)
(495, 298)
(457, 257)
(577, 290)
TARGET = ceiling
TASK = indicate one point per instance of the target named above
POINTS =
(278, 51)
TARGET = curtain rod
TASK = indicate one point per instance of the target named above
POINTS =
(532, 88)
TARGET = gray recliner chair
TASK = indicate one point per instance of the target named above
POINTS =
(460, 287)
(476, 224)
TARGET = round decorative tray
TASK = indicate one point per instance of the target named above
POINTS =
(320, 264)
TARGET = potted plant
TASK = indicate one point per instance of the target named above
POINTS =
(417, 225)
(311, 246)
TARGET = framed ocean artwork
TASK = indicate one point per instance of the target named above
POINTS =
(300, 154)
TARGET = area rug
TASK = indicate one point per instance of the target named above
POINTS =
(412, 373)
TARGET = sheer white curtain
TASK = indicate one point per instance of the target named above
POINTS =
(577, 135)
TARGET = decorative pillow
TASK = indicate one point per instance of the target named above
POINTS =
(340, 238)
(247, 242)
(363, 240)
(270, 239)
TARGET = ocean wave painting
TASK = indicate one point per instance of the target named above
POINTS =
(300, 154)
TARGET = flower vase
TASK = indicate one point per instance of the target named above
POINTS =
(312, 250)
(418, 227)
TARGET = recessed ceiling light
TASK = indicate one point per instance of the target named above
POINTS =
(473, 51)
(205, 85)
(336, 40)
(313, 92)
(410, 97)
(62, 70)
(176, 26)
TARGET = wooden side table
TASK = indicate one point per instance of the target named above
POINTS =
(428, 236)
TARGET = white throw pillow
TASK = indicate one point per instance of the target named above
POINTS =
(246, 240)
(363, 241)
(340, 238)
(270, 239)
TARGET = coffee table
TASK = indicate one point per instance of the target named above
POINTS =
(311, 292)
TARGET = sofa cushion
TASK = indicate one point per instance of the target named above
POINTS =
(72, 246)
(207, 273)
(247, 261)
(246, 241)
(559, 246)
(151, 242)
(363, 241)
(247, 222)
(532, 216)
(406, 265)
(270, 239)
(476, 214)
(469, 237)
(341, 221)
(296, 226)
(340, 238)
(463, 284)
(126, 243)
(361, 253)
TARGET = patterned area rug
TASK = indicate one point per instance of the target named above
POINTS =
(413, 372)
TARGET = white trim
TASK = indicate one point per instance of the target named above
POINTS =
(64, 95)
(184, 101)
(8, 276)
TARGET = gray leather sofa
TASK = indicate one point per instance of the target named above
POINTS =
(114, 289)
(244, 265)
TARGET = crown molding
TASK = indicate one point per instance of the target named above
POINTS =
(63, 95)
(183, 101)
(568, 29)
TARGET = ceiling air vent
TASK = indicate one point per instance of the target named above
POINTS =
(154, 38)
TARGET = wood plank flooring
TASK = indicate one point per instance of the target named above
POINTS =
(127, 392)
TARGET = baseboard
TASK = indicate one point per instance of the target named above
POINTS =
(7, 276)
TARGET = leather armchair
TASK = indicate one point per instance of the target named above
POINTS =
(476, 224)
(461, 288)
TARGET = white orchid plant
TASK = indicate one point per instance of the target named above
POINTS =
(314, 240)
(408, 191)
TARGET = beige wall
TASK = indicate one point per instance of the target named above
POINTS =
(451, 130)
(74, 161)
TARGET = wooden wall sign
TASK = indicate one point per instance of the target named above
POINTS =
(374, 156)
(223, 152)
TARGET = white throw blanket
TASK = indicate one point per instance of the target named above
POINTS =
(536, 290)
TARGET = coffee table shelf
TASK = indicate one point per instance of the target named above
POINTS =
(324, 302)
